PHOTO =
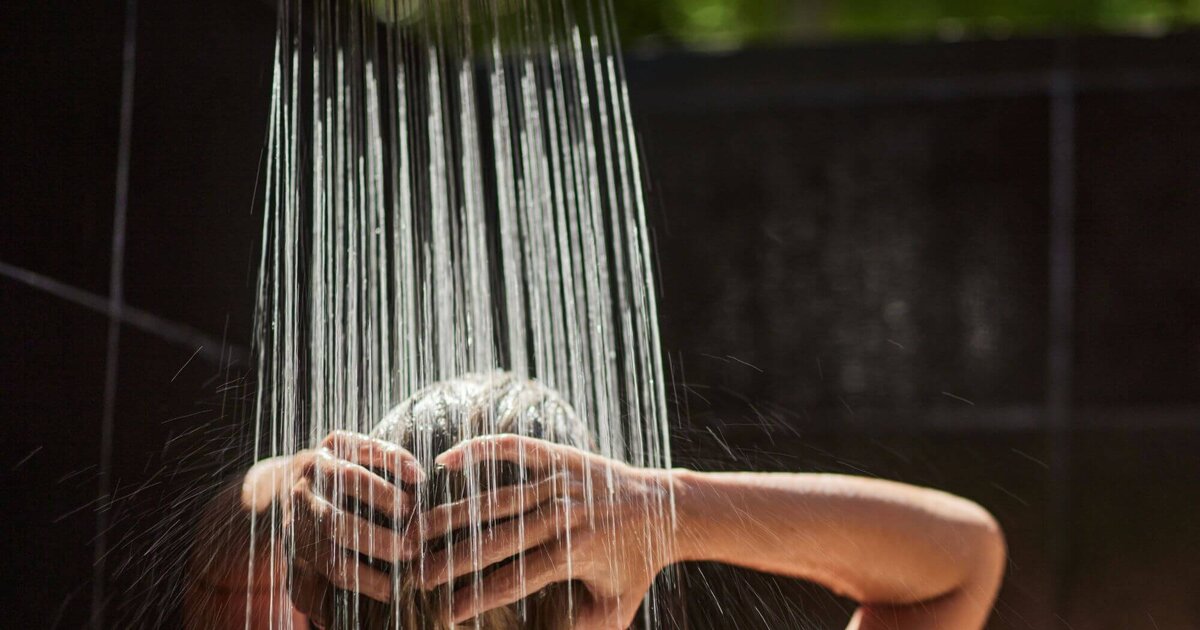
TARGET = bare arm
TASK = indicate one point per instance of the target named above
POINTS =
(913, 557)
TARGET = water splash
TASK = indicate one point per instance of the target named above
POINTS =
(454, 189)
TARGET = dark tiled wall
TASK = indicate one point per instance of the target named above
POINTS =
(853, 252)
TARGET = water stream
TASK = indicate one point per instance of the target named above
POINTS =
(453, 188)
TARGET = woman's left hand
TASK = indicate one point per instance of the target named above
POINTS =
(613, 544)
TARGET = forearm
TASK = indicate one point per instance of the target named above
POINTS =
(885, 544)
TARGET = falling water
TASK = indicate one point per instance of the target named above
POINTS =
(453, 187)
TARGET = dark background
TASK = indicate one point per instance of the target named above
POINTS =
(968, 265)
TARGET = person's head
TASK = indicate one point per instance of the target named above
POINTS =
(429, 423)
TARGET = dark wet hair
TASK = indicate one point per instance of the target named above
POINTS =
(428, 423)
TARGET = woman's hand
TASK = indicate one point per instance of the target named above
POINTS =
(613, 544)
(327, 536)
(236, 564)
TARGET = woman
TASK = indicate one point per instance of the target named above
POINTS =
(373, 548)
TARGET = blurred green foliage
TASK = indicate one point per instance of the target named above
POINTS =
(717, 23)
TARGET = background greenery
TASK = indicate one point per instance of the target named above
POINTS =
(719, 23)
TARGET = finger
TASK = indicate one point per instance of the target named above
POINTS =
(326, 524)
(537, 456)
(502, 542)
(340, 477)
(345, 571)
(500, 503)
(269, 479)
(509, 584)
(375, 453)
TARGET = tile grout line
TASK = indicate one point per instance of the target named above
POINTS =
(215, 350)
(116, 294)
(1061, 284)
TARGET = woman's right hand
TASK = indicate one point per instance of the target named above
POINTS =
(327, 537)
(581, 518)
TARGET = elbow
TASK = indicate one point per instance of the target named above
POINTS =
(973, 567)
(993, 546)
(988, 556)
(956, 575)
(998, 547)
(972, 574)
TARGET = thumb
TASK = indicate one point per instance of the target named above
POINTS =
(269, 480)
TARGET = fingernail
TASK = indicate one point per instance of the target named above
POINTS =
(450, 459)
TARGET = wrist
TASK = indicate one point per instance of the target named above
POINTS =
(691, 515)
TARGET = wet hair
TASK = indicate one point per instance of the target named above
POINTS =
(429, 423)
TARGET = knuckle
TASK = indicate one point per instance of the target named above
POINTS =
(308, 468)
(341, 437)
(570, 504)
(328, 475)
(398, 456)
(550, 484)
(507, 441)
(321, 464)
